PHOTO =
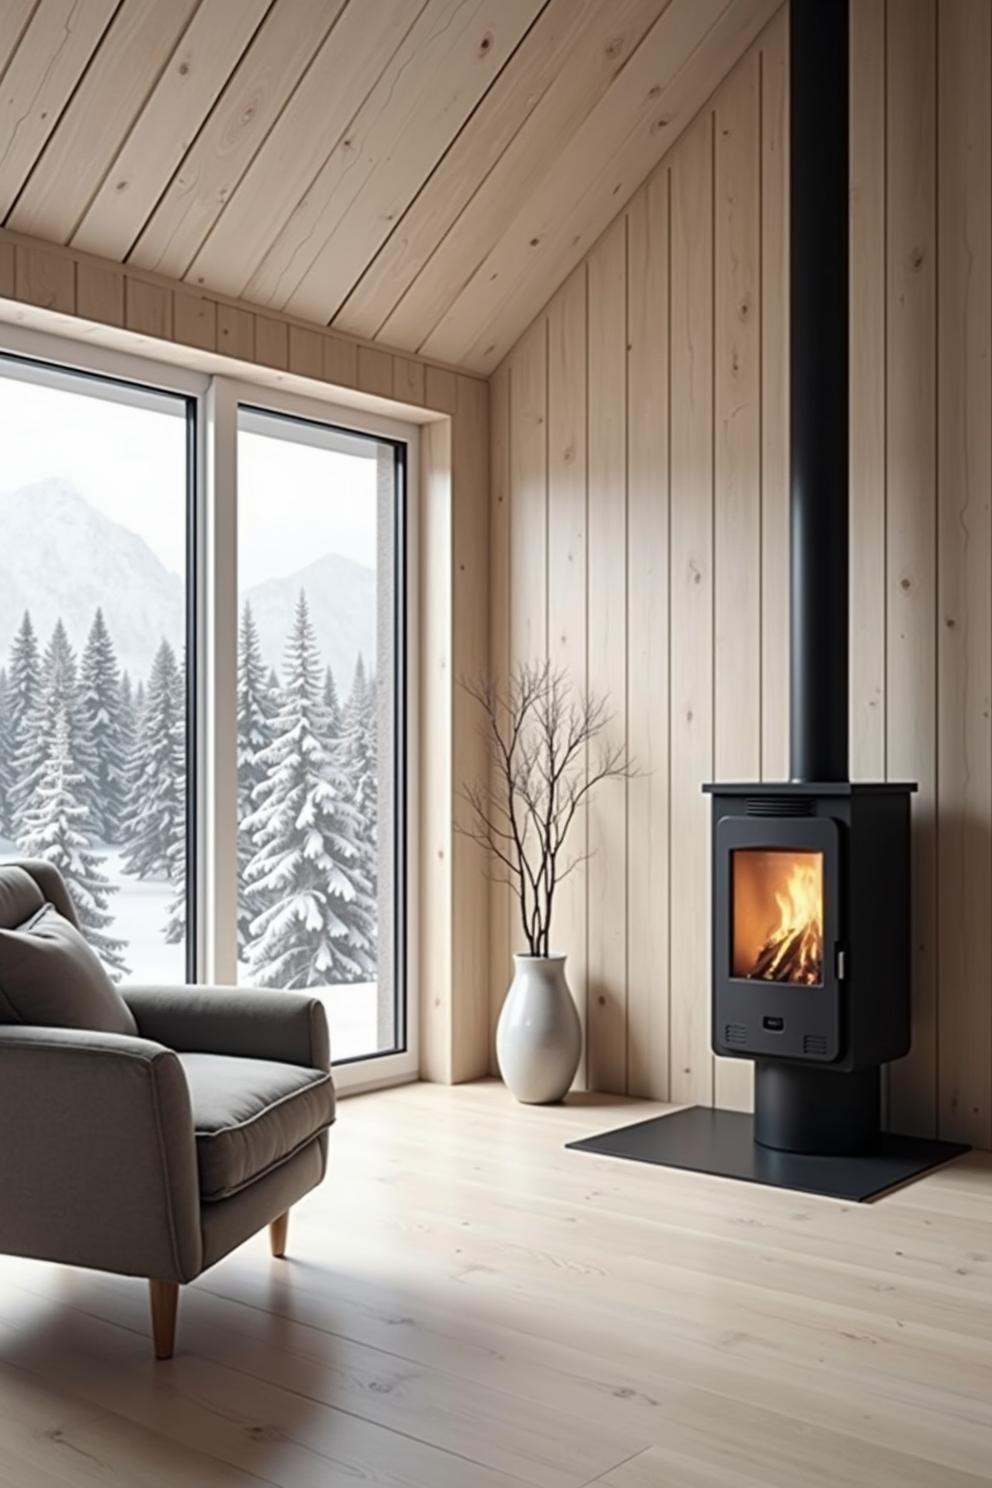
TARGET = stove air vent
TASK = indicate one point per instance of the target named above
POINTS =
(778, 806)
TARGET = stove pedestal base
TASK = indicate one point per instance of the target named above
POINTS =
(722, 1143)
(814, 1109)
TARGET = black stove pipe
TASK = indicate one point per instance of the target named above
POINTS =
(818, 185)
(805, 1108)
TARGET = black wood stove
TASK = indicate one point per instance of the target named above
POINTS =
(811, 952)
(811, 966)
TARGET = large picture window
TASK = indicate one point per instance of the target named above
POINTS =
(95, 497)
(211, 748)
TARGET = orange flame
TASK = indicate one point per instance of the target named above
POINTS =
(793, 952)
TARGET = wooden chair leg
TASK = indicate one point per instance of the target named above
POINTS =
(278, 1231)
(164, 1298)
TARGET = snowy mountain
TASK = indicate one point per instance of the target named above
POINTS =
(61, 556)
(342, 600)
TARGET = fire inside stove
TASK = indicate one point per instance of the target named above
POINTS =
(778, 916)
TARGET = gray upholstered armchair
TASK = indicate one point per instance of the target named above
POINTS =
(155, 1150)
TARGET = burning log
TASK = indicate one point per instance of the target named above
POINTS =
(768, 966)
(789, 956)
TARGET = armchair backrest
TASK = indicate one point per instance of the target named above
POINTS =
(25, 885)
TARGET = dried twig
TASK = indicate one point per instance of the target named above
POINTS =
(547, 752)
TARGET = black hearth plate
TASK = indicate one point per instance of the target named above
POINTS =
(721, 1143)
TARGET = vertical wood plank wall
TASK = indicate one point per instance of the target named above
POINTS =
(639, 537)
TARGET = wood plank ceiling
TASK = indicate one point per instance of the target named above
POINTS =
(422, 173)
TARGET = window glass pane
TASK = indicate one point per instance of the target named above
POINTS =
(93, 601)
(317, 720)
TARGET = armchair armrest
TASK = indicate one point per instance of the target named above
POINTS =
(98, 1158)
(246, 1022)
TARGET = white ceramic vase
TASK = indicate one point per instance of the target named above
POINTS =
(538, 1037)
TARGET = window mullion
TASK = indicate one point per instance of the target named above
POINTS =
(217, 656)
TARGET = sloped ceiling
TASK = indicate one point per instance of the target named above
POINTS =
(423, 173)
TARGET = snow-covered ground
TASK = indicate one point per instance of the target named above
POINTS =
(140, 909)
(351, 1017)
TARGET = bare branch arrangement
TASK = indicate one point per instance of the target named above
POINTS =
(547, 752)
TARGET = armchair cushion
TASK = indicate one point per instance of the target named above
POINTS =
(51, 886)
(20, 896)
(50, 977)
(250, 1115)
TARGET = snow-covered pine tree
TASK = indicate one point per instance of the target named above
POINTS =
(24, 683)
(57, 828)
(6, 752)
(332, 706)
(175, 924)
(102, 714)
(157, 807)
(318, 923)
(133, 698)
(359, 737)
(358, 757)
(129, 731)
(256, 707)
(57, 689)
(25, 672)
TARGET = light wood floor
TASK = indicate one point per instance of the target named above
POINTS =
(467, 1305)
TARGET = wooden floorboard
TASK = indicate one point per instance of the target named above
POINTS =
(466, 1304)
